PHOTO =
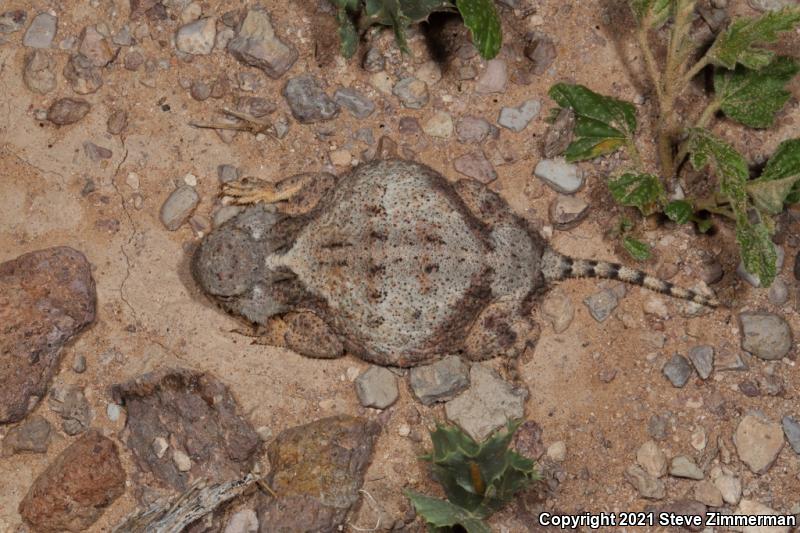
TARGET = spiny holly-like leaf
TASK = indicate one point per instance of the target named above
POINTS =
(740, 42)
(639, 250)
(441, 513)
(642, 191)
(679, 211)
(480, 16)
(602, 123)
(752, 97)
(758, 251)
(348, 36)
(654, 13)
(729, 165)
(785, 163)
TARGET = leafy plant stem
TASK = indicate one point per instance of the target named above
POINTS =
(634, 154)
(705, 117)
(695, 70)
(649, 59)
(712, 207)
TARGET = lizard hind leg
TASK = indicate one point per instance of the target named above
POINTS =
(253, 190)
(294, 195)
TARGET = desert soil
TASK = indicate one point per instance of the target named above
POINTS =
(150, 313)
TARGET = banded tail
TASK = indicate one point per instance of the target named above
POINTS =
(556, 266)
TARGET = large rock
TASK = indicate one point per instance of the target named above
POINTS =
(316, 472)
(758, 443)
(46, 298)
(72, 493)
(184, 425)
(257, 45)
(765, 335)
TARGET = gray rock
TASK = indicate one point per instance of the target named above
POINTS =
(197, 38)
(39, 72)
(377, 387)
(82, 75)
(227, 173)
(413, 93)
(702, 357)
(225, 213)
(753, 279)
(200, 90)
(94, 46)
(566, 212)
(749, 389)
(79, 364)
(359, 105)
(257, 45)
(244, 521)
(677, 370)
(729, 358)
(472, 129)
(559, 175)
(117, 122)
(494, 78)
(308, 101)
(133, 60)
(778, 292)
(476, 166)
(559, 134)
(541, 50)
(758, 443)
(711, 271)
(771, 5)
(440, 381)
(96, 153)
(487, 405)
(67, 111)
(791, 428)
(728, 484)
(557, 308)
(123, 37)
(683, 466)
(651, 457)
(373, 60)
(12, 21)
(178, 207)
(708, 494)
(765, 335)
(602, 304)
(255, 106)
(69, 402)
(658, 427)
(648, 486)
(517, 118)
(41, 32)
(33, 435)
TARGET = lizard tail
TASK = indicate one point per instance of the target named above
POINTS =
(556, 266)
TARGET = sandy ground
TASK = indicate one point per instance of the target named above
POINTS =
(150, 313)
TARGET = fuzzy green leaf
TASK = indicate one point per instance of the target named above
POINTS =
(348, 36)
(740, 42)
(729, 165)
(639, 250)
(679, 211)
(388, 13)
(758, 251)
(642, 191)
(785, 163)
(602, 124)
(349, 5)
(770, 195)
(753, 97)
(480, 16)
(441, 513)
(654, 13)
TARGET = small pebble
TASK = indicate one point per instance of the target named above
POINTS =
(566, 212)
(413, 93)
(702, 358)
(39, 72)
(377, 387)
(472, 129)
(557, 451)
(200, 90)
(439, 125)
(373, 60)
(13, 21)
(181, 460)
(79, 364)
(557, 308)
(791, 428)
(559, 175)
(685, 467)
(308, 101)
(677, 370)
(359, 105)
(517, 118)
(197, 38)
(476, 166)
(602, 304)
(778, 292)
(227, 173)
(439, 381)
(494, 78)
(765, 335)
(66, 111)
(41, 32)
(113, 411)
(652, 458)
(117, 122)
(178, 207)
(758, 443)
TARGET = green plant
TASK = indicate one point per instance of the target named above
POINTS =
(356, 16)
(749, 88)
(478, 479)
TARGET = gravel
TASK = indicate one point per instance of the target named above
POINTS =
(41, 32)
(677, 370)
(178, 207)
(377, 387)
(702, 358)
(559, 175)
(308, 101)
(439, 381)
(765, 335)
(517, 118)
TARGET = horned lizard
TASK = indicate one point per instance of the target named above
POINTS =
(391, 263)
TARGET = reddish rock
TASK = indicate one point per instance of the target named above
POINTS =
(46, 298)
(75, 489)
(185, 425)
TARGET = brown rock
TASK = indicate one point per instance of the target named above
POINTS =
(46, 297)
(33, 435)
(196, 415)
(82, 75)
(94, 46)
(75, 489)
(67, 111)
(117, 122)
(317, 470)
